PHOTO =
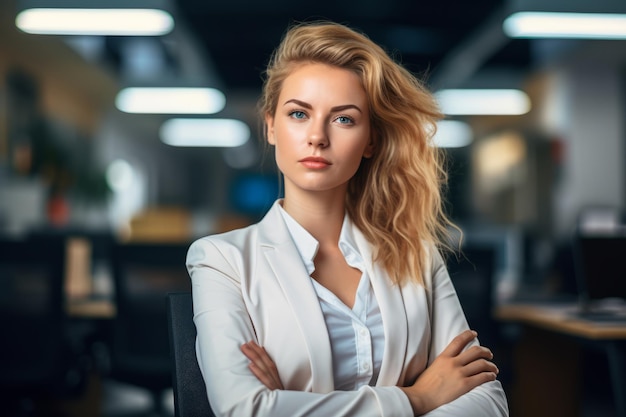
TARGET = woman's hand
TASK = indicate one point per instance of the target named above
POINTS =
(453, 373)
(262, 366)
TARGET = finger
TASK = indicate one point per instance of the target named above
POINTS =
(254, 357)
(459, 343)
(479, 379)
(262, 365)
(253, 351)
(474, 353)
(269, 365)
(265, 378)
(480, 366)
(262, 358)
(250, 352)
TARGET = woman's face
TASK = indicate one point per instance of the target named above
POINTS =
(320, 129)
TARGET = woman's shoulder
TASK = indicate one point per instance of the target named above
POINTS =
(236, 243)
(224, 252)
(233, 240)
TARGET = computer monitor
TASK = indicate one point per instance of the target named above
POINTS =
(600, 262)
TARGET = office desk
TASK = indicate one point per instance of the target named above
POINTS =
(90, 309)
(547, 357)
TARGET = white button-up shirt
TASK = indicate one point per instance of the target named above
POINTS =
(356, 335)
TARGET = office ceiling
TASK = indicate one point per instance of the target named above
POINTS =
(239, 35)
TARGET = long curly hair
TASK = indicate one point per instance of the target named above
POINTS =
(395, 197)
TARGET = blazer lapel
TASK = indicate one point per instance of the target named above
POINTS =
(391, 304)
(284, 260)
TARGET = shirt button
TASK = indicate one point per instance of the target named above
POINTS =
(366, 366)
(363, 332)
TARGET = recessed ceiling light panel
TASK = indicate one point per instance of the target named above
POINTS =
(95, 21)
(170, 100)
(205, 132)
(453, 134)
(460, 102)
(566, 25)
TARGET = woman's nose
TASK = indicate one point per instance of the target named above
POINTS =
(317, 135)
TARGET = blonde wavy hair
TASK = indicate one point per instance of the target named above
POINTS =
(395, 196)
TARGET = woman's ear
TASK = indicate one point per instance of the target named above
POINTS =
(269, 125)
(369, 149)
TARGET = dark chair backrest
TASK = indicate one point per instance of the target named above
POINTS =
(472, 274)
(144, 273)
(36, 354)
(190, 397)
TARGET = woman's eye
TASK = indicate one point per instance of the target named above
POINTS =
(297, 114)
(344, 120)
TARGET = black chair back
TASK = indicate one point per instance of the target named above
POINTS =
(144, 273)
(472, 274)
(38, 356)
(190, 397)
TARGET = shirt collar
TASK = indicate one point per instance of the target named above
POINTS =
(308, 246)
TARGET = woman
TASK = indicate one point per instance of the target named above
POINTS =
(337, 303)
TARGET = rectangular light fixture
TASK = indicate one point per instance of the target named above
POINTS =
(204, 132)
(565, 25)
(170, 100)
(95, 21)
(453, 134)
(460, 102)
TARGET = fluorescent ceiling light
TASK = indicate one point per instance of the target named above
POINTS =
(92, 21)
(566, 25)
(483, 102)
(205, 132)
(453, 134)
(170, 100)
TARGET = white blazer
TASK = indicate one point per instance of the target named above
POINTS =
(251, 284)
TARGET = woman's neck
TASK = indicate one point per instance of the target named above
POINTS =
(321, 215)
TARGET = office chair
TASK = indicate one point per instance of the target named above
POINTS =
(39, 358)
(472, 274)
(190, 397)
(143, 274)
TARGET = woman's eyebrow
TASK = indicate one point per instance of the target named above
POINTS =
(346, 107)
(299, 103)
(336, 108)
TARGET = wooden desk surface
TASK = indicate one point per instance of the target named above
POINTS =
(90, 309)
(559, 318)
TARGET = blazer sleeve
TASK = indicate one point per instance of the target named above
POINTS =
(223, 324)
(448, 321)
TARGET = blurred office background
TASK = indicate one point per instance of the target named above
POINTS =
(83, 165)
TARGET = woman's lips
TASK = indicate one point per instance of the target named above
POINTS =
(315, 162)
